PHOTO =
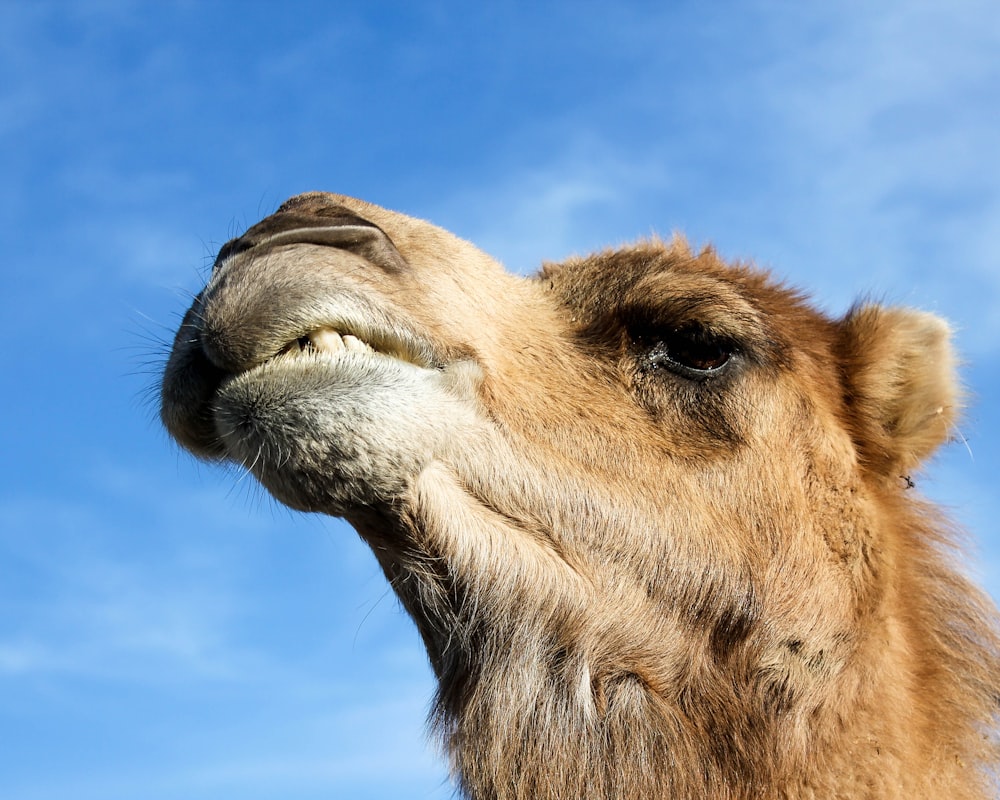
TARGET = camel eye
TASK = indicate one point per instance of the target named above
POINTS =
(691, 352)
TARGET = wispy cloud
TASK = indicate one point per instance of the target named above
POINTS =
(886, 123)
(90, 614)
(94, 593)
(855, 153)
(552, 209)
(190, 609)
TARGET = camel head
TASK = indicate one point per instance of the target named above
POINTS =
(649, 511)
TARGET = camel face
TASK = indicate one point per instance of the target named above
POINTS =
(656, 501)
(319, 349)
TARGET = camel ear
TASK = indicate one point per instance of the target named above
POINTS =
(901, 384)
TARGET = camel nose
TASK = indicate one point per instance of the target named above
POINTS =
(309, 219)
(262, 290)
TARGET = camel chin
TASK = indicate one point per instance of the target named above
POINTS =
(331, 426)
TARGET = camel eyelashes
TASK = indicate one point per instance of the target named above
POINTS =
(691, 352)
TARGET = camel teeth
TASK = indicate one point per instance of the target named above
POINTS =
(355, 345)
(328, 340)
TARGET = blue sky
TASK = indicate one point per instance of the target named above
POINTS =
(167, 630)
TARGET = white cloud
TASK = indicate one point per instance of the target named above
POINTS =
(552, 210)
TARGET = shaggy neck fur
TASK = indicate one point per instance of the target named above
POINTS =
(689, 700)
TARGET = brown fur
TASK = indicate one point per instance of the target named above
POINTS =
(640, 570)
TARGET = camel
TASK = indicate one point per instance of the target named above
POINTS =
(651, 512)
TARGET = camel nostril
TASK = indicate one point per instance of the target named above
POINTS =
(218, 351)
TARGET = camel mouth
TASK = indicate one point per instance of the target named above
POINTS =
(333, 342)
